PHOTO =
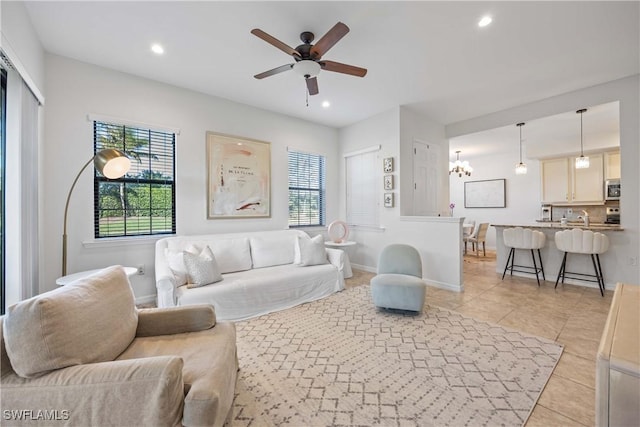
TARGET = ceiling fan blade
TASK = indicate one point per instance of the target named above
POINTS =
(275, 42)
(276, 70)
(312, 85)
(328, 40)
(339, 67)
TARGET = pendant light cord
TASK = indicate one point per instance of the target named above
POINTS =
(581, 149)
(520, 126)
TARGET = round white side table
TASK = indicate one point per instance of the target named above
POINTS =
(346, 247)
(65, 280)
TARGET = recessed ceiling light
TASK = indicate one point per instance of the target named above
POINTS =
(486, 20)
(326, 104)
(157, 48)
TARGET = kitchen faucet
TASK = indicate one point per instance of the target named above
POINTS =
(585, 218)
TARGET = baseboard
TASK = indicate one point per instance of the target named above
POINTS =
(364, 268)
(434, 283)
(146, 299)
(445, 286)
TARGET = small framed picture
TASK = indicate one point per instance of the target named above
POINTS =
(388, 182)
(388, 164)
(388, 200)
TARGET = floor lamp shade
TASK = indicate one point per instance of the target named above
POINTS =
(109, 162)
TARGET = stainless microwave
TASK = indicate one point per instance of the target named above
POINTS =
(612, 189)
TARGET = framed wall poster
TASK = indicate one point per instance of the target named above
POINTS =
(388, 182)
(388, 200)
(387, 164)
(238, 177)
(485, 194)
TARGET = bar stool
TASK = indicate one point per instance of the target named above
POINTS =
(524, 238)
(585, 242)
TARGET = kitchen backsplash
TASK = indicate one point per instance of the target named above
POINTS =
(596, 213)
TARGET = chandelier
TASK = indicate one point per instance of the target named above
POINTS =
(460, 167)
(582, 162)
(521, 168)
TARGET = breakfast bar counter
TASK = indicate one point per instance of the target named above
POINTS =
(552, 257)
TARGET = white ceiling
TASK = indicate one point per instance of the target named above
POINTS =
(430, 56)
(552, 136)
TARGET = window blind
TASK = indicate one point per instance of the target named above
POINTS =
(306, 189)
(143, 201)
(363, 189)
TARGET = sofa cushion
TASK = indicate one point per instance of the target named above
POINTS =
(202, 268)
(91, 320)
(209, 372)
(232, 254)
(272, 250)
(175, 259)
(311, 251)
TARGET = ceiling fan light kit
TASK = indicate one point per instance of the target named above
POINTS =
(308, 56)
(307, 68)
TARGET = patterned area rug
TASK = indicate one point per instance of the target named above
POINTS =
(342, 362)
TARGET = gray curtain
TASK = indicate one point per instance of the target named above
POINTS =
(29, 193)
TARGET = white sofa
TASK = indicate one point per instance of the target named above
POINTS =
(258, 271)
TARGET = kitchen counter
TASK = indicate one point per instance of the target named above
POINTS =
(557, 226)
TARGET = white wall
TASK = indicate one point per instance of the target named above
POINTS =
(522, 191)
(75, 89)
(417, 128)
(438, 239)
(21, 44)
(627, 91)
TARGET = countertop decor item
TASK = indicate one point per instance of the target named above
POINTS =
(109, 162)
(521, 168)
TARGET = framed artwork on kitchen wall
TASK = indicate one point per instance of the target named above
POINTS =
(488, 193)
(238, 177)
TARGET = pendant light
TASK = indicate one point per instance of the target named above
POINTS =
(582, 162)
(521, 168)
(460, 167)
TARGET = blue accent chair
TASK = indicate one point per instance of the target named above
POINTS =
(398, 284)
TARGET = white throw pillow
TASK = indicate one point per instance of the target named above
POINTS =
(310, 251)
(272, 250)
(202, 269)
(176, 263)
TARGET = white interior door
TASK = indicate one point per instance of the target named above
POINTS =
(425, 178)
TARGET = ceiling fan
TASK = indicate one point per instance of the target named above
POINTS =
(308, 56)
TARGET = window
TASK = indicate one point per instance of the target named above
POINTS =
(364, 187)
(143, 201)
(306, 189)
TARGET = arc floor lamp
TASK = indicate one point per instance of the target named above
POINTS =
(109, 162)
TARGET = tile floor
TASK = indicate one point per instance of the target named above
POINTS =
(574, 316)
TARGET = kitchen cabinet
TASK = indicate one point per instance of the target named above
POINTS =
(555, 180)
(562, 183)
(612, 165)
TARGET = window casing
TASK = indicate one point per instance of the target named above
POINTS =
(306, 189)
(143, 201)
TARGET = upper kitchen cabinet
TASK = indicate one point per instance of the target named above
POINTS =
(555, 180)
(562, 183)
(612, 165)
